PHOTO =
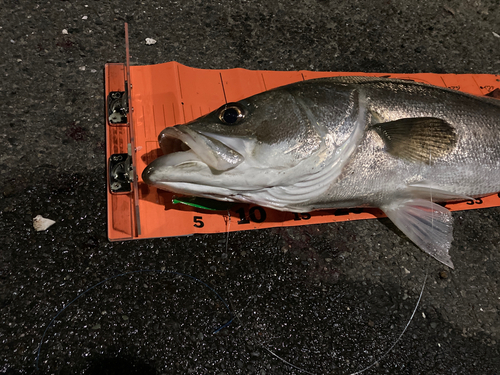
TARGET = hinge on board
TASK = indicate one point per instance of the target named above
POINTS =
(118, 106)
(121, 173)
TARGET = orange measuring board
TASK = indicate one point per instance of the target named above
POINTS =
(168, 94)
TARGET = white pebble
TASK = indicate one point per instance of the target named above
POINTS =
(82, 68)
(40, 223)
(495, 34)
(84, 17)
(150, 41)
(65, 32)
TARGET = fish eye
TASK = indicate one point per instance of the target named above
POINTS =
(231, 114)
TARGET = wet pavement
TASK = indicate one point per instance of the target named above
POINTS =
(324, 299)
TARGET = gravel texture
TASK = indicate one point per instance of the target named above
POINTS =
(328, 299)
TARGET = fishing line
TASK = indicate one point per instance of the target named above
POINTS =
(130, 273)
(421, 291)
(377, 360)
(407, 324)
(228, 223)
(237, 315)
(288, 363)
(404, 330)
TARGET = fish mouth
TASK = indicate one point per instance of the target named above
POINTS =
(187, 150)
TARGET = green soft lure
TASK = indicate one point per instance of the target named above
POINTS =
(204, 203)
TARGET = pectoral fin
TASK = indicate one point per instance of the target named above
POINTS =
(426, 223)
(417, 139)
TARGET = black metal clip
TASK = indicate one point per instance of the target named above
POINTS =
(118, 106)
(121, 173)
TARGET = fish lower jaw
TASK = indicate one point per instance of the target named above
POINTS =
(179, 158)
(167, 168)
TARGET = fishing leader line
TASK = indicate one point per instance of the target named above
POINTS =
(237, 315)
(383, 355)
(131, 273)
(406, 326)
(228, 222)
(404, 330)
(421, 291)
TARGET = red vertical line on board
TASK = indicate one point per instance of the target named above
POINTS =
(144, 127)
(442, 80)
(223, 88)
(264, 81)
(478, 85)
(132, 138)
(180, 92)
(154, 118)
(164, 117)
(173, 113)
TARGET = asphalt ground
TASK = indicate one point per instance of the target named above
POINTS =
(325, 299)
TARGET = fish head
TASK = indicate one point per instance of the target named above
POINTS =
(244, 149)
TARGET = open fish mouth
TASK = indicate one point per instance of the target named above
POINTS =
(188, 149)
(184, 143)
(177, 148)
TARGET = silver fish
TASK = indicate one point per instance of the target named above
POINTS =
(342, 142)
